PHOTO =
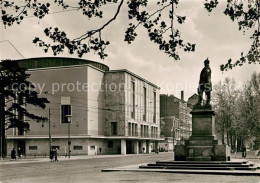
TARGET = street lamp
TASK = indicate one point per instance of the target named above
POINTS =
(69, 141)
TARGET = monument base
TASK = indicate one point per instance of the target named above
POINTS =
(203, 144)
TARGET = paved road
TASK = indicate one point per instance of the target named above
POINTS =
(89, 170)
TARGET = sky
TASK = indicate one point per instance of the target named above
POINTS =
(215, 35)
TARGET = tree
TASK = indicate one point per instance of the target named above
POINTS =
(238, 111)
(160, 25)
(16, 93)
(250, 102)
(224, 102)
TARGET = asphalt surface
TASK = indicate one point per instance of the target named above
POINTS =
(88, 169)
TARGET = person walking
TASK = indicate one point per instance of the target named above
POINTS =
(56, 155)
(13, 154)
(19, 152)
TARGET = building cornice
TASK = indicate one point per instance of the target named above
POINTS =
(132, 74)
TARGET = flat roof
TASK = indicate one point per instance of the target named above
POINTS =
(131, 73)
(46, 62)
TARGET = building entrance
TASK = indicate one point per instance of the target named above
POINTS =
(21, 144)
(129, 147)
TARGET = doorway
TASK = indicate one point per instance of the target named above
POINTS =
(129, 147)
(21, 144)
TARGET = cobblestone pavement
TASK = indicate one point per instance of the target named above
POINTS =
(88, 169)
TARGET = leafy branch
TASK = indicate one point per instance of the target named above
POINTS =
(95, 42)
(157, 27)
(247, 18)
(39, 11)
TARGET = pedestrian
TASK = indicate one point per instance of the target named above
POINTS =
(19, 152)
(143, 149)
(13, 154)
(244, 151)
(51, 155)
(100, 150)
(56, 155)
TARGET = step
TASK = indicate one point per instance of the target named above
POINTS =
(204, 165)
(199, 168)
(203, 162)
(199, 158)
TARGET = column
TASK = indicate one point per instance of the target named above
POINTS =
(148, 148)
(136, 147)
(123, 146)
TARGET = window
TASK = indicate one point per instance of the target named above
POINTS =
(33, 147)
(154, 107)
(133, 99)
(129, 129)
(78, 147)
(144, 116)
(110, 144)
(113, 128)
(92, 147)
(142, 130)
(65, 110)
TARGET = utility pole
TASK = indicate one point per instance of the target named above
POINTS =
(69, 141)
(50, 131)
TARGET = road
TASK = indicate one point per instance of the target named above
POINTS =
(89, 170)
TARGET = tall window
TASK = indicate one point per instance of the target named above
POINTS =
(65, 110)
(113, 128)
(154, 107)
(144, 116)
(133, 99)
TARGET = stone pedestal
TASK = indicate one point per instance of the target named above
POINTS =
(202, 145)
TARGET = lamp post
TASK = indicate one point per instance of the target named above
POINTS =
(69, 141)
(50, 131)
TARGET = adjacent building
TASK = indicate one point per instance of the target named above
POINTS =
(92, 110)
(175, 113)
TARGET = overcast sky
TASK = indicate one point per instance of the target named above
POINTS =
(215, 36)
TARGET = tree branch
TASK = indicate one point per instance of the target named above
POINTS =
(92, 32)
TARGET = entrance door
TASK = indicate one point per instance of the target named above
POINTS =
(21, 144)
(129, 147)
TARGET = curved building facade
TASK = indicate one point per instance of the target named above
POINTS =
(110, 111)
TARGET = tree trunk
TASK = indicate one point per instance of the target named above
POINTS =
(228, 139)
(223, 133)
(2, 122)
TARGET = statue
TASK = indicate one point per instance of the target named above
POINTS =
(205, 84)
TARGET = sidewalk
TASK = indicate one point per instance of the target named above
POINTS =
(63, 158)
(249, 155)
(238, 156)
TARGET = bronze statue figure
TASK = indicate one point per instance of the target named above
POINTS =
(205, 84)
